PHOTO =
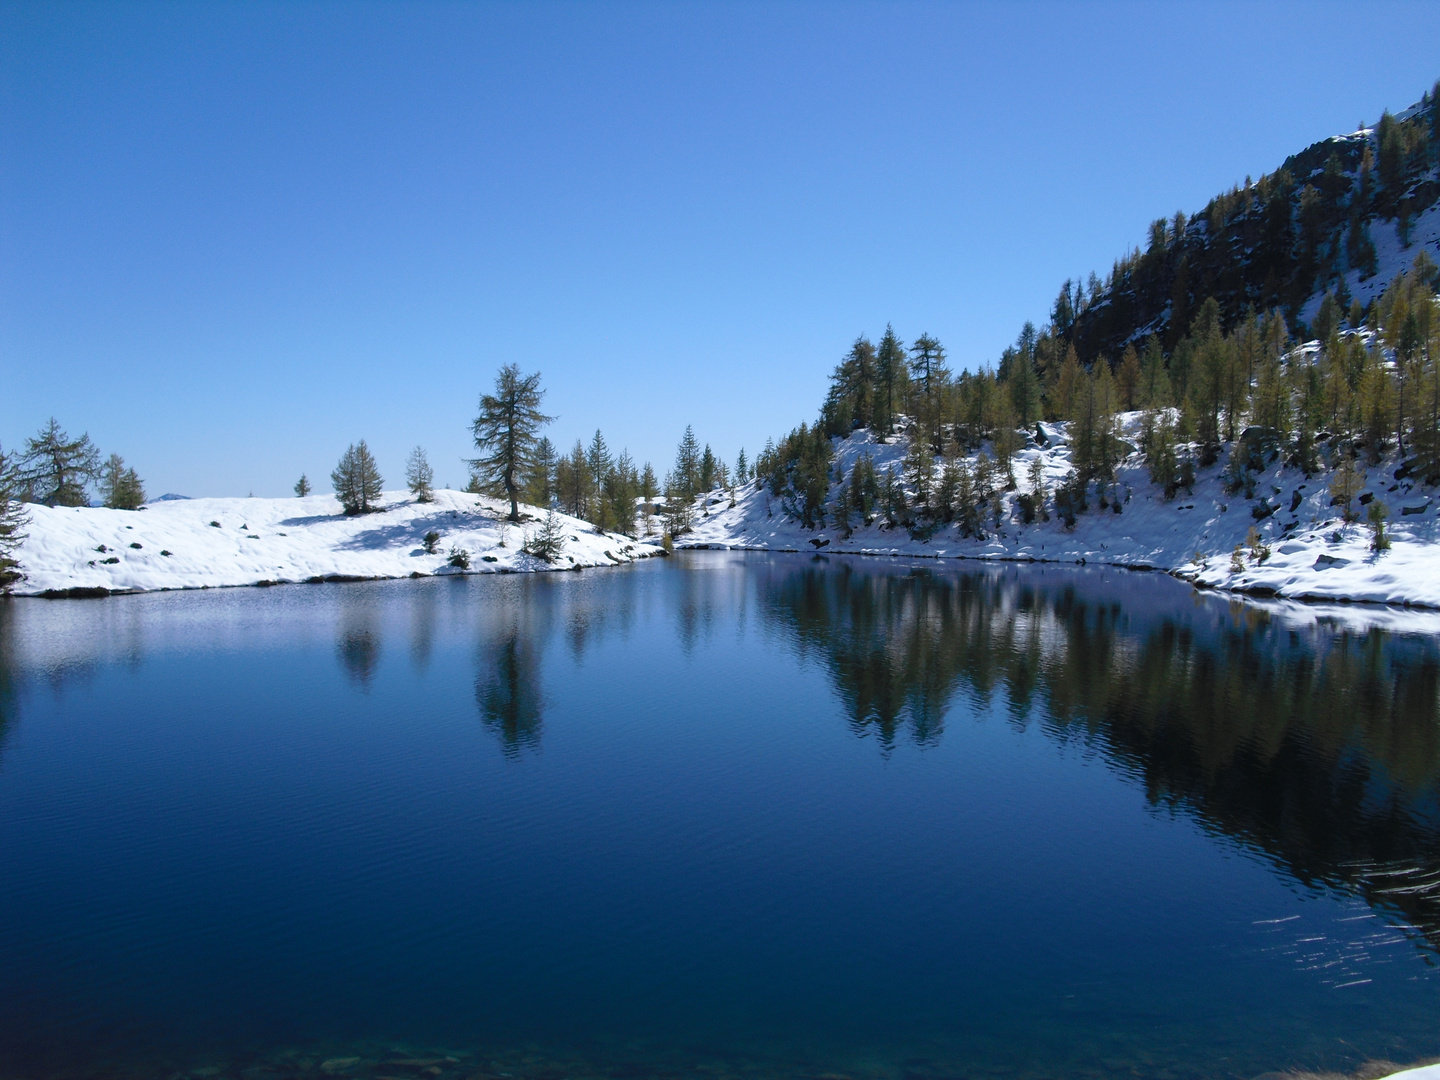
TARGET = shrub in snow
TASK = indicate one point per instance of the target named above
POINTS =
(547, 543)
(459, 557)
(1377, 514)
(431, 542)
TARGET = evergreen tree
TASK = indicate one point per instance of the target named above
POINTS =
(357, 480)
(1005, 441)
(1069, 381)
(708, 465)
(55, 468)
(120, 487)
(419, 476)
(302, 486)
(851, 401)
(506, 432)
(12, 522)
(572, 482)
(548, 542)
(891, 378)
(540, 483)
(1345, 485)
(1127, 379)
(1038, 492)
(686, 474)
(927, 364)
(742, 468)
(597, 460)
(1024, 385)
(919, 468)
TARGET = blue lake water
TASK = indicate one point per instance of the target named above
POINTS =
(714, 815)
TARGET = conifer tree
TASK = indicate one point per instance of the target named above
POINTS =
(540, 483)
(597, 460)
(1066, 386)
(572, 482)
(919, 468)
(927, 364)
(302, 486)
(1038, 492)
(55, 468)
(1127, 379)
(419, 476)
(707, 469)
(851, 400)
(1024, 386)
(686, 474)
(1345, 485)
(742, 468)
(891, 378)
(357, 480)
(12, 522)
(120, 487)
(506, 432)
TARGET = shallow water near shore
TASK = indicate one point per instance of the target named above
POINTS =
(721, 814)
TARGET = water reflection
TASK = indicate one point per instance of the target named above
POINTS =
(507, 687)
(1318, 748)
(8, 670)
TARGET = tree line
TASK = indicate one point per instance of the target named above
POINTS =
(54, 469)
(1368, 385)
(1268, 244)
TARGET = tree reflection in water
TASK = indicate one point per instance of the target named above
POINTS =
(1319, 747)
(507, 689)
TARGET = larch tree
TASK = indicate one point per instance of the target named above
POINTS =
(686, 474)
(120, 486)
(506, 433)
(540, 485)
(55, 468)
(419, 476)
(357, 480)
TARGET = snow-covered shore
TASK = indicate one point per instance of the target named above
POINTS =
(1313, 553)
(206, 543)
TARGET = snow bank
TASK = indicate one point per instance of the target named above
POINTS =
(1314, 555)
(1425, 1072)
(204, 543)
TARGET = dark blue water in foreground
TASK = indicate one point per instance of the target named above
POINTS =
(714, 815)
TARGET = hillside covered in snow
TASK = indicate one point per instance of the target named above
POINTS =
(204, 543)
(1301, 549)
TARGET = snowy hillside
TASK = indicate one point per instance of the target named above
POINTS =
(1392, 256)
(202, 543)
(1313, 553)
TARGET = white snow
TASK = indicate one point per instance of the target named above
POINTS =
(1392, 255)
(174, 545)
(1425, 1072)
(1314, 555)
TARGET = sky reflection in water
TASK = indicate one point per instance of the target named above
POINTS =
(766, 812)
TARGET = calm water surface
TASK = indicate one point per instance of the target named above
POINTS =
(714, 815)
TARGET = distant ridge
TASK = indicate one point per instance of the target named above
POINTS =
(1344, 215)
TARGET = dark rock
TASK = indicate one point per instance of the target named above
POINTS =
(78, 593)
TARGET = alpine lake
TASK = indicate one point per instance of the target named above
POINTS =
(718, 815)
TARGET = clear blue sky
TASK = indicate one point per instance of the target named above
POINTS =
(236, 237)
